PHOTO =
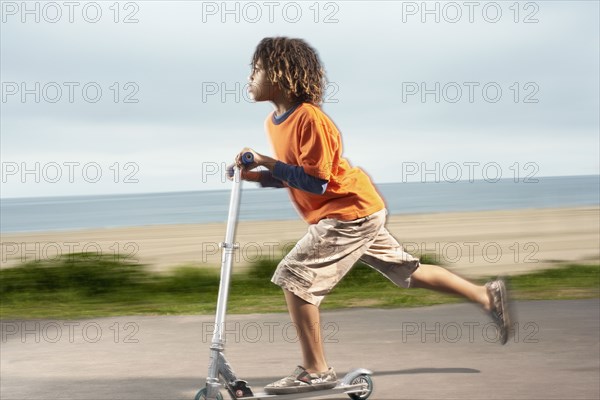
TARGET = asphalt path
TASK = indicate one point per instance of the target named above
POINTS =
(441, 352)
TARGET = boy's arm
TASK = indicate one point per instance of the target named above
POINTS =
(266, 179)
(293, 175)
(296, 177)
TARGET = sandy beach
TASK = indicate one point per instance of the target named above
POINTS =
(470, 243)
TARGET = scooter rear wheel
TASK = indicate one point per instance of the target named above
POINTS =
(202, 395)
(364, 395)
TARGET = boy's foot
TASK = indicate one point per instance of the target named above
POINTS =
(302, 381)
(499, 310)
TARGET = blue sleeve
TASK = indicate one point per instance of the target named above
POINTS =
(295, 177)
(267, 180)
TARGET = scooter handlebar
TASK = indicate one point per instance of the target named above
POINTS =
(247, 158)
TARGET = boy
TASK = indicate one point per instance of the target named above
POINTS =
(344, 210)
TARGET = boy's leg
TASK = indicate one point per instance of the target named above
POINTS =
(315, 375)
(436, 278)
(492, 296)
(307, 320)
(388, 257)
(307, 274)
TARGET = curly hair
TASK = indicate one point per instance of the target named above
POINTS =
(294, 66)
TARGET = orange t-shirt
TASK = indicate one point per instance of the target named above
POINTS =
(308, 138)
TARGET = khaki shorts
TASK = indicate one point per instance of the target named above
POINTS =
(331, 247)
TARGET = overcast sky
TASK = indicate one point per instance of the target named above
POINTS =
(149, 96)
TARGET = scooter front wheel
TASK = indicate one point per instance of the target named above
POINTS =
(364, 395)
(202, 395)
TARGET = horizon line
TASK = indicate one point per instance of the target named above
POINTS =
(257, 188)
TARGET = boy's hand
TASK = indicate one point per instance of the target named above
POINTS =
(246, 174)
(243, 166)
(259, 160)
(253, 176)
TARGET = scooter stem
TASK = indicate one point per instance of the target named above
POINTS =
(229, 248)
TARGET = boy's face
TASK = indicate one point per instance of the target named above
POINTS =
(261, 88)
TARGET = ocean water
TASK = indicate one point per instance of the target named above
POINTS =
(79, 212)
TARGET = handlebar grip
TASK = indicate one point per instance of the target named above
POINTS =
(247, 158)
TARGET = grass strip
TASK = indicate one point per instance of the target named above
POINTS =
(86, 285)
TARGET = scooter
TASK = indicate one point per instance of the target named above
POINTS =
(357, 384)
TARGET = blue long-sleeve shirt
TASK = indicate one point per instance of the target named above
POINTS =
(294, 176)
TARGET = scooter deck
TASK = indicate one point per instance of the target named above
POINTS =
(340, 388)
